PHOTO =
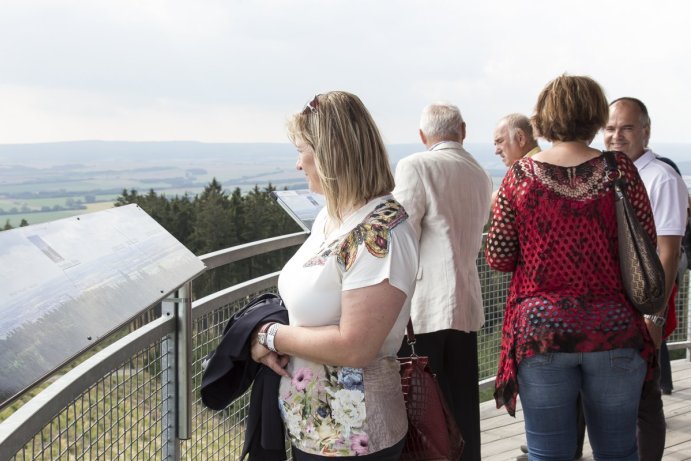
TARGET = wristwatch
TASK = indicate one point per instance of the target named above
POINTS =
(657, 320)
(261, 336)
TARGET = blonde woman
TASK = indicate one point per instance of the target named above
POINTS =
(347, 291)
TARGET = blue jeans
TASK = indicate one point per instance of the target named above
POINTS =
(610, 385)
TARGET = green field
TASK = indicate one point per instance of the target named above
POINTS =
(41, 217)
(45, 190)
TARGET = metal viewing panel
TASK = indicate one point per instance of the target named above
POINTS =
(302, 205)
(68, 283)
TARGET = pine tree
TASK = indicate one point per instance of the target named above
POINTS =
(214, 220)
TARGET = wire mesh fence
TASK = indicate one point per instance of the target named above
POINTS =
(495, 286)
(120, 416)
(681, 333)
(216, 434)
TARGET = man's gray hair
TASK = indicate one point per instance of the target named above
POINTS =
(441, 121)
(518, 121)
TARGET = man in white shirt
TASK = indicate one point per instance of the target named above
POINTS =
(628, 131)
(447, 194)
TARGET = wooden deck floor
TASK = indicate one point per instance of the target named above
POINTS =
(502, 435)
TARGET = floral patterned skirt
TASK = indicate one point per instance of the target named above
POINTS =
(342, 411)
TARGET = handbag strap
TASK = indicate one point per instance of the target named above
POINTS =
(410, 335)
(619, 183)
(612, 167)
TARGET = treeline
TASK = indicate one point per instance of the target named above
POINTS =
(75, 205)
(215, 219)
(8, 226)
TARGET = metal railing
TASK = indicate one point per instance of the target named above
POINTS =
(126, 401)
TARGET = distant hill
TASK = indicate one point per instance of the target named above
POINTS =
(260, 158)
(90, 152)
(97, 151)
(43, 182)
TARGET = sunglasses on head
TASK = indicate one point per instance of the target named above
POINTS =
(311, 106)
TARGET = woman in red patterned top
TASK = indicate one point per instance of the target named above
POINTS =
(568, 326)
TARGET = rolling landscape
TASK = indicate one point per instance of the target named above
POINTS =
(44, 182)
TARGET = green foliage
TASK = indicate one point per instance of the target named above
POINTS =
(214, 220)
(8, 226)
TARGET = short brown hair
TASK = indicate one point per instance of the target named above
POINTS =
(570, 108)
(349, 152)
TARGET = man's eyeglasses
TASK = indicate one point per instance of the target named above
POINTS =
(311, 106)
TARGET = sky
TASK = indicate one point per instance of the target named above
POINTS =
(233, 70)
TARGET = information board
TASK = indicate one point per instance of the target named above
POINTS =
(302, 205)
(66, 284)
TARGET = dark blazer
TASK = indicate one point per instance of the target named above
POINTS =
(230, 371)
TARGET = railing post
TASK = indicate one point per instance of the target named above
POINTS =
(176, 376)
(170, 448)
(184, 360)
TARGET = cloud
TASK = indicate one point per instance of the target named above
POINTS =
(231, 70)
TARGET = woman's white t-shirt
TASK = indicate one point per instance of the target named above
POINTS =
(342, 411)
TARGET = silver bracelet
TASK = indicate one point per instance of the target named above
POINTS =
(271, 337)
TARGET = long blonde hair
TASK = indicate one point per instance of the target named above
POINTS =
(349, 153)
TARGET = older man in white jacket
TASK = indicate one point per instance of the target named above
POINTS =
(447, 196)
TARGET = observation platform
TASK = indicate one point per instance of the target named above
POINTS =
(134, 394)
(502, 435)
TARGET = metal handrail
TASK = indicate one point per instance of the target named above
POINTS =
(233, 254)
(224, 297)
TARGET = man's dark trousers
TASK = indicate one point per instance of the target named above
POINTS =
(652, 427)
